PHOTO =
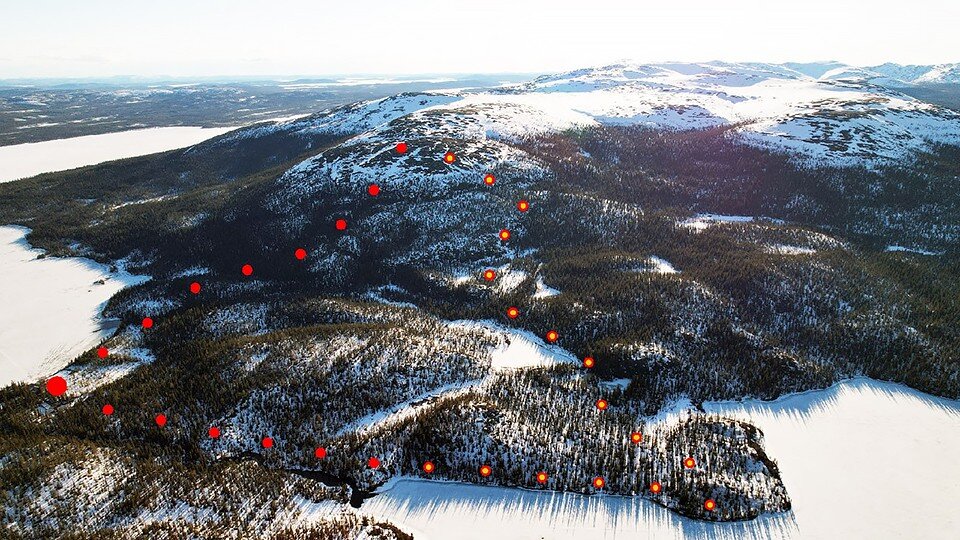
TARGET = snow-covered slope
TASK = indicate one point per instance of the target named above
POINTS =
(938, 74)
(826, 113)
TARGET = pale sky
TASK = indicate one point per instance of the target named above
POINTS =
(93, 38)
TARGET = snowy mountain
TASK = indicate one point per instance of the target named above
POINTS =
(535, 286)
(826, 114)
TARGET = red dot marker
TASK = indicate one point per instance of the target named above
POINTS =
(655, 487)
(542, 477)
(107, 409)
(195, 288)
(523, 206)
(56, 385)
(589, 362)
(341, 224)
(449, 157)
(429, 467)
(373, 190)
(485, 471)
(214, 432)
(147, 323)
(636, 437)
(300, 254)
(267, 442)
(552, 336)
(401, 148)
(246, 270)
(599, 482)
(489, 179)
(103, 352)
(602, 404)
(689, 463)
(373, 463)
(320, 452)
(504, 235)
(489, 275)
(710, 505)
(513, 312)
(161, 419)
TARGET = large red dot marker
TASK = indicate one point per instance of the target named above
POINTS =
(449, 157)
(542, 477)
(429, 467)
(513, 312)
(214, 432)
(103, 352)
(373, 190)
(589, 362)
(523, 206)
(195, 288)
(655, 487)
(161, 419)
(147, 323)
(599, 482)
(485, 471)
(489, 180)
(710, 505)
(107, 409)
(56, 385)
(300, 254)
(246, 270)
(373, 463)
(504, 234)
(689, 463)
(401, 148)
(341, 224)
(267, 442)
(636, 437)
(602, 404)
(552, 336)
(489, 275)
(320, 452)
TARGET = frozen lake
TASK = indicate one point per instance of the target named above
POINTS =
(26, 160)
(51, 307)
(861, 460)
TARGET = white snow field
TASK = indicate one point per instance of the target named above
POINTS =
(860, 460)
(30, 159)
(51, 307)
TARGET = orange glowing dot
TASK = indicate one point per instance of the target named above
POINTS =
(489, 275)
(655, 487)
(429, 467)
(689, 463)
(636, 437)
(504, 234)
(710, 505)
(542, 477)
(523, 206)
(599, 482)
(513, 312)
(449, 157)
(589, 362)
(485, 471)
(602, 404)
(552, 336)
(489, 179)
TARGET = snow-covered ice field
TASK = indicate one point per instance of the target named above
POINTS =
(30, 159)
(861, 460)
(51, 307)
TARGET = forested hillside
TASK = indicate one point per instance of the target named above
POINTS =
(330, 309)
